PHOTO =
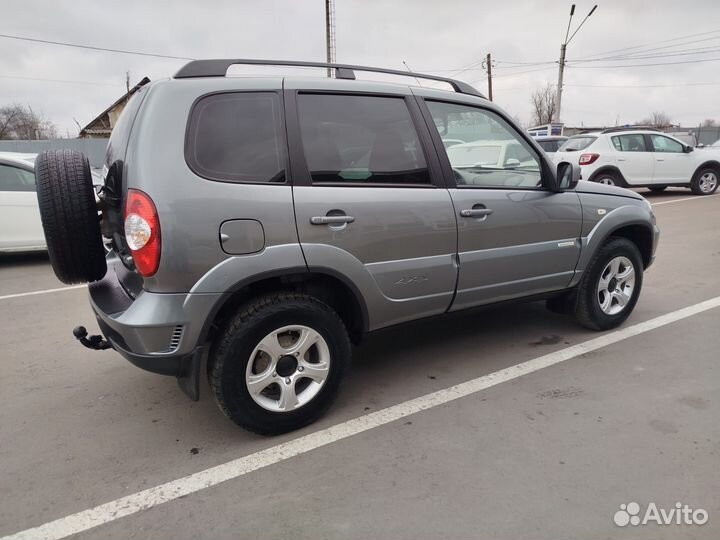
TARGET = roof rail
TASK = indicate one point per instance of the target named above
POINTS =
(219, 67)
(630, 128)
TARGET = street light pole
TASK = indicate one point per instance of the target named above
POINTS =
(563, 49)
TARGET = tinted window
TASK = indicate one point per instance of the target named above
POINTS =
(492, 155)
(16, 179)
(665, 144)
(360, 139)
(121, 131)
(549, 146)
(574, 144)
(629, 143)
(237, 137)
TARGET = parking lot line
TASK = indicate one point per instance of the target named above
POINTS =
(31, 293)
(695, 198)
(146, 499)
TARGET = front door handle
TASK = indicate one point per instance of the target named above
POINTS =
(476, 212)
(659, 159)
(331, 220)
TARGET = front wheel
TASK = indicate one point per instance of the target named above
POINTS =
(279, 363)
(610, 286)
(705, 182)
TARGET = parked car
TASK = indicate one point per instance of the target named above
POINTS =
(551, 143)
(642, 158)
(20, 227)
(282, 218)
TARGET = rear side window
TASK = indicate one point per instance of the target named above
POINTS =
(360, 139)
(237, 137)
(574, 144)
(549, 146)
(629, 143)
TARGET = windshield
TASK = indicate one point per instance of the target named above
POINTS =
(577, 143)
(469, 156)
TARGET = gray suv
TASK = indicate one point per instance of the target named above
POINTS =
(259, 226)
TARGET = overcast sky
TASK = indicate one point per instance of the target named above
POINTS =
(433, 36)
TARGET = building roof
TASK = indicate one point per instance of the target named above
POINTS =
(100, 125)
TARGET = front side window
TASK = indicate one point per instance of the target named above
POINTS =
(492, 153)
(360, 140)
(629, 143)
(16, 179)
(237, 137)
(665, 144)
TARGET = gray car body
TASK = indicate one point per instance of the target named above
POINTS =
(408, 254)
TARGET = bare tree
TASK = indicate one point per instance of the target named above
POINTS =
(18, 122)
(543, 101)
(708, 122)
(658, 119)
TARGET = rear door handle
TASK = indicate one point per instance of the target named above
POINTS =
(621, 159)
(331, 220)
(476, 212)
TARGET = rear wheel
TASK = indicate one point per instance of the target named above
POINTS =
(657, 188)
(610, 286)
(69, 215)
(705, 181)
(609, 179)
(279, 363)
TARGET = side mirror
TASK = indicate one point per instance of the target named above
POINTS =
(687, 148)
(568, 175)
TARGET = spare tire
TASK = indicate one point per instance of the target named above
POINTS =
(69, 216)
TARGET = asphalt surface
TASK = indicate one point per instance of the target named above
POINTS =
(552, 454)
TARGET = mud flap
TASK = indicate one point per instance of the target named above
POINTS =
(189, 381)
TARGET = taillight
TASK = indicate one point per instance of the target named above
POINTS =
(142, 232)
(587, 159)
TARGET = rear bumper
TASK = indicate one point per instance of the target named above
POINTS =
(160, 333)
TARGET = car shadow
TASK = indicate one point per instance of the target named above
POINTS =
(38, 258)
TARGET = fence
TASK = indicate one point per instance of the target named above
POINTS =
(94, 149)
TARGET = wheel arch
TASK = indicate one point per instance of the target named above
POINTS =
(639, 234)
(712, 163)
(608, 169)
(326, 284)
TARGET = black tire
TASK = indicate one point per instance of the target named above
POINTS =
(696, 182)
(255, 320)
(657, 189)
(587, 305)
(69, 216)
(607, 178)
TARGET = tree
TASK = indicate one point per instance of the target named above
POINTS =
(19, 122)
(708, 122)
(543, 101)
(658, 119)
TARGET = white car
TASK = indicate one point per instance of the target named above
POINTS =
(20, 226)
(472, 161)
(642, 158)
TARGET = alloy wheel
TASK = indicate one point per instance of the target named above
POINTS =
(616, 285)
(288, 368)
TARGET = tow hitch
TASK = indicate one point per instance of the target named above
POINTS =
(96, 343)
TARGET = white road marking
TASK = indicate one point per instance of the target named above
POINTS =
(695, 198)
(146, 499)
(31, 293)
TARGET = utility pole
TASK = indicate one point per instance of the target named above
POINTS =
(488, 61)
(563, 49)
(330, 33)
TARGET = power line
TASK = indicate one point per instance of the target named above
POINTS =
(643, 85)
(92, 83)
(93, 48)
(651, 43)
(647, 65)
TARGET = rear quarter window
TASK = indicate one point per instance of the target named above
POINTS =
(576, 143)
(237, 137)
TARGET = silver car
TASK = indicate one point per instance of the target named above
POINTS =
(260, 225)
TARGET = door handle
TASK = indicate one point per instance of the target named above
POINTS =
(331, 220)
(659, 159)
(621, 159)
(476, 212)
